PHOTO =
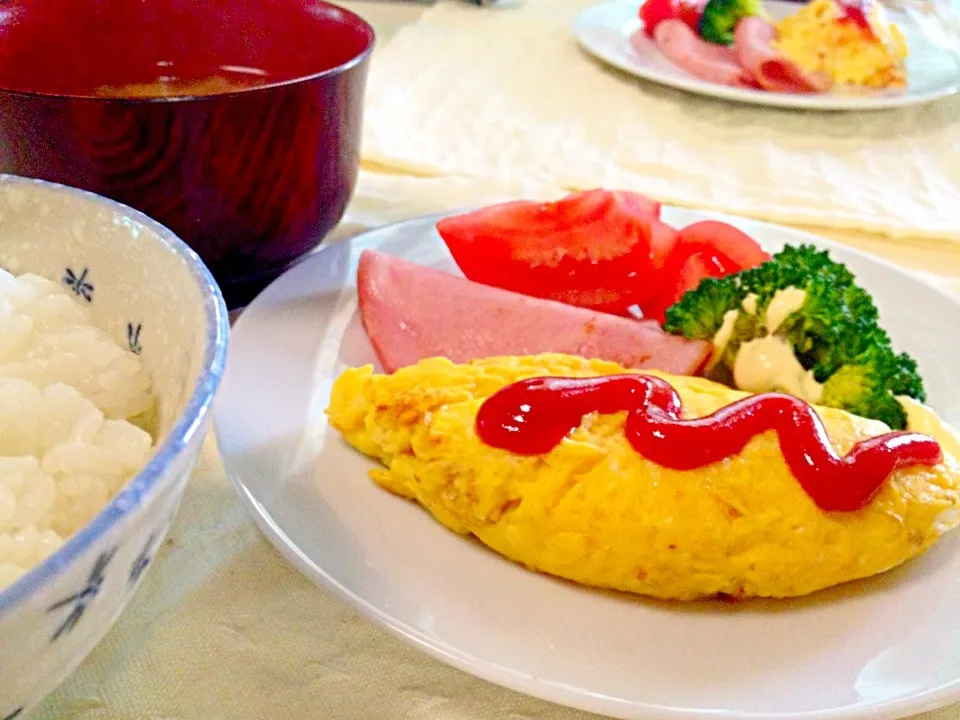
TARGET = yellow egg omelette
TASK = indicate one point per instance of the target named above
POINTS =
(596, 512)
(817, 40)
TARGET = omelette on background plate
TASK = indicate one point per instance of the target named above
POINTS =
(596, 511)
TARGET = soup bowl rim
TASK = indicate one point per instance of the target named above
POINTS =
(365, 28)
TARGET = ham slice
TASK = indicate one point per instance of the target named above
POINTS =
(412, 312)
(753, 41)
(709, 62)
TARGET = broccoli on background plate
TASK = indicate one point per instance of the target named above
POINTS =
(720, 17)
(835, 334)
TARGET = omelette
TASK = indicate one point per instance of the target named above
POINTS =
(818, 40)
(594, 511)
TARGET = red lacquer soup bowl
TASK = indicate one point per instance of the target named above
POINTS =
(235, 123)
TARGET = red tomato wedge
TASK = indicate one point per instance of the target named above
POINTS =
(709, 248)
(726, 241)
(694, 268)
(690, 12)
(599, 249)
(654, 12)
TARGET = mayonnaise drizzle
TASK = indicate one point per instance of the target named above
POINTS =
(767, 364)
(722, 337)
(782, 305)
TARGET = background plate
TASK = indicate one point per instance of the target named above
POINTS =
(604, 31)
(880, 648)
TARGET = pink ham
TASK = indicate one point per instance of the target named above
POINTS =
(706, 61)
(412, 312)
(753, 42)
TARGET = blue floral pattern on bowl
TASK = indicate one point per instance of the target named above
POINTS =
(79, 601)
(133, 337)
(153, 294)
(79, 283)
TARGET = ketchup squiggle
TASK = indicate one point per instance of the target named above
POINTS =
(856, 12)
(532, 416)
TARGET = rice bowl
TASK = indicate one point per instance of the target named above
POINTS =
(74, 412)
(113, 340)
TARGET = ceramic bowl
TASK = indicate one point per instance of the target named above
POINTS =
(153, 294)
(252, 179)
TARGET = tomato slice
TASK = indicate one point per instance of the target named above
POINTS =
(689, 11)
(705, 249)
(654, 12)
(597, 249)
(695, 267)
(727, 241)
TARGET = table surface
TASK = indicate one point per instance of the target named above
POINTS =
(223, 627)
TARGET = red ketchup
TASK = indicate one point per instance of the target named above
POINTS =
(856, 11)
(532, 416)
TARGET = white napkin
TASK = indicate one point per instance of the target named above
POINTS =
(507, 94)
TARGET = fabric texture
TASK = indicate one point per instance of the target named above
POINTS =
(507, 93)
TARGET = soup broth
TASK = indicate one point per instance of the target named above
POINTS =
(219, 83)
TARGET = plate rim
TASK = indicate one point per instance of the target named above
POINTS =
(689, 83)
(552, 691)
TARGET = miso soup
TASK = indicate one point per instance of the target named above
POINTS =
(222, 81)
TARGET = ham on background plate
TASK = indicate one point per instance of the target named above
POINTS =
(709, 62)
(751, 62)
(753, 42)
(412, 312)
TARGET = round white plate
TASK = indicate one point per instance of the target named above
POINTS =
(888, 646)
(604, 30)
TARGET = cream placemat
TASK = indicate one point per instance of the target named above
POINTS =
(224, 628)
(506, 93)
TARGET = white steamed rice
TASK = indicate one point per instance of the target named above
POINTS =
(68, 392)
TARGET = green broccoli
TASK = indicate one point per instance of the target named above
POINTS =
(834, 334)
(716, 297)
(864, 387)
(906, 379)
(720, 17)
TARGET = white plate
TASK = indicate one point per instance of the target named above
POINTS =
(604, 31)
(880, 648)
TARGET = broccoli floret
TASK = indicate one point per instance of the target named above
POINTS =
(863, 387)
(700, 314)
(814, 331)
(835, 334)
(719, 19)
(798, 264)
(837, 325)
(906, 380)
